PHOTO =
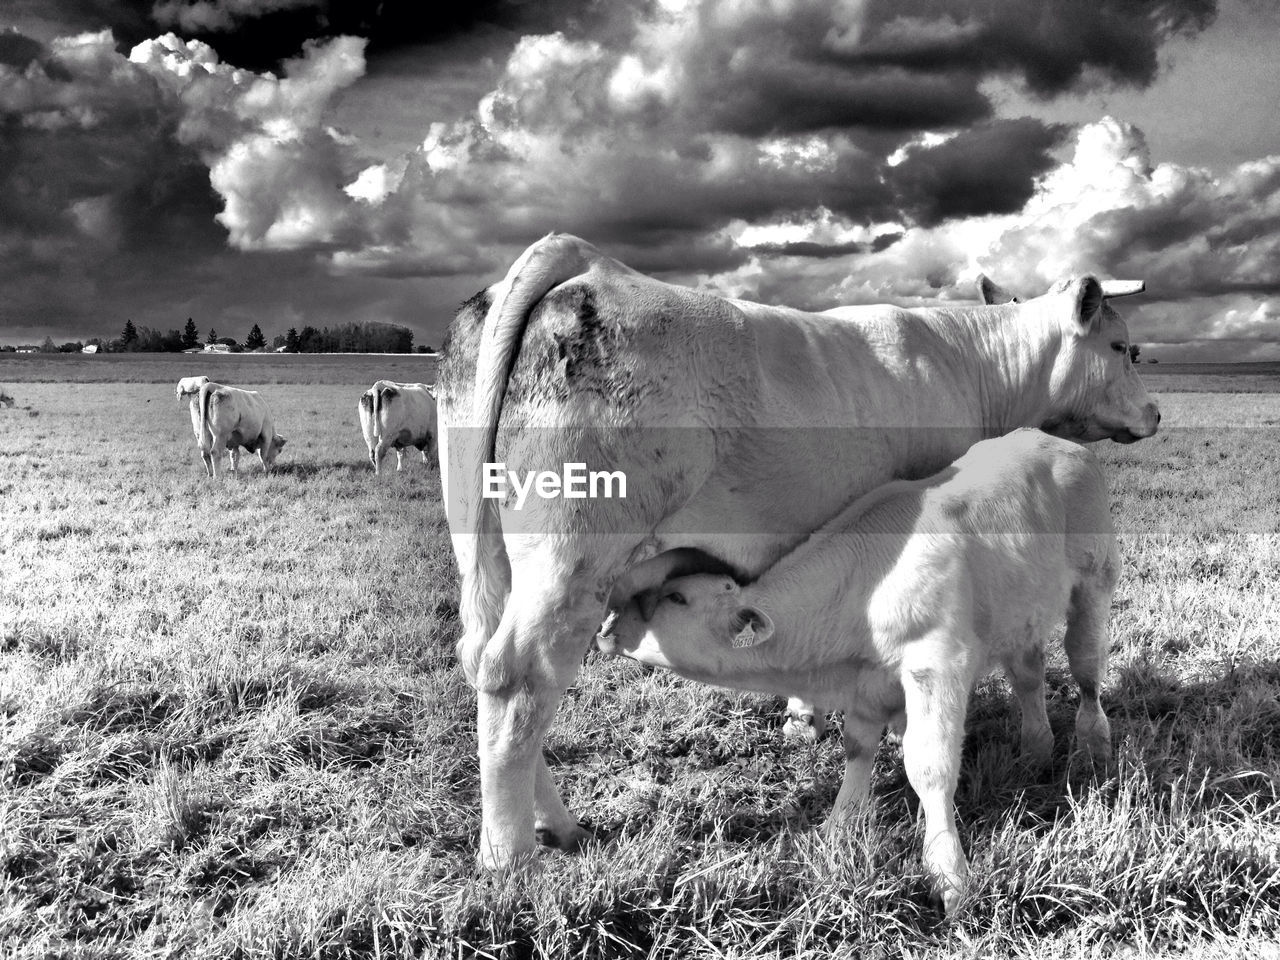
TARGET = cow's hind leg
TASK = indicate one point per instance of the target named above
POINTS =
(520, 675)
(379, 451)
(1088, 643)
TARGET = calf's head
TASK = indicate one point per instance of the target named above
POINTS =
(694, 623)
(1094, 391)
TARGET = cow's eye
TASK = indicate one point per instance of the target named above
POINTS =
(677, 598)
(1119, 346)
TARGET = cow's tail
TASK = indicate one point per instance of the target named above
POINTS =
(543, 266)
(206, 397)
(381, 394)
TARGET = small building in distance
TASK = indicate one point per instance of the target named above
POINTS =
(90, 348)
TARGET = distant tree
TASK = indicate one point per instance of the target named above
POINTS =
(423, 348)
(130, 336)
(213, 336)
(48, 346)
(1134, 350)
(230, 342)
(255, 340)
(190, 335)
(278, 341)
(71, 346)
(291, 339)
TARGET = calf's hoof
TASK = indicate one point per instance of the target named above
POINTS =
(568, 840)
(806, 726)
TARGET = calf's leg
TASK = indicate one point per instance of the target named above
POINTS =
(1026, 675)
(861, 738)
(1088, 643)
(935, 683)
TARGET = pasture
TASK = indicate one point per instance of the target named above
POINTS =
(231, 724)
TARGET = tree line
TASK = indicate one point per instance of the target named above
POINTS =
(367, 337)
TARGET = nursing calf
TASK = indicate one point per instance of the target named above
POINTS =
(228, 418)
(901, 603)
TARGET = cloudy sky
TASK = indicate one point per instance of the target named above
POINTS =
(284, 162)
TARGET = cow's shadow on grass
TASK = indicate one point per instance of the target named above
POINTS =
(1220, 733)
(310, 469)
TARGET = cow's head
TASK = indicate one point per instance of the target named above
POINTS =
(691, 624)
(274, 448)
(1094, 391)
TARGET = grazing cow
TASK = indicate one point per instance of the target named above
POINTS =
(189, 387)
(901, 603)
(230, 418)
(5, 399)
(740, 429)
(395, 416)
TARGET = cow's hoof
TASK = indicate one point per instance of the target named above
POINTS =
(568, 841)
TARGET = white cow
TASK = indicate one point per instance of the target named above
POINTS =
(740, 428)
(398, 415)
(189, 387)
(230, 418)
(901, 603)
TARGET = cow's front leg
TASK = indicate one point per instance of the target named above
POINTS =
(233, 456)
(522, 672)
(399, 459)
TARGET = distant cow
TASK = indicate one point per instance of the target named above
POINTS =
(5, 399)
(395, 416)
(901, 603)
(230, 418)
(189, 387)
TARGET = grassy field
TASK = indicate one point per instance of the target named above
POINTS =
(231, 724)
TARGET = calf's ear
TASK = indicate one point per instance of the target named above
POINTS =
(751, 626)
(648, 602)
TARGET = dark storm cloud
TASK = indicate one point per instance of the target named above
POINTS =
(990, 168)
(1051, 46)
(17, 50)
(259, 34)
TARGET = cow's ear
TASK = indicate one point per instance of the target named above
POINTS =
(280, 441)
(990, 292)
(751, 627)
(1086, 300)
